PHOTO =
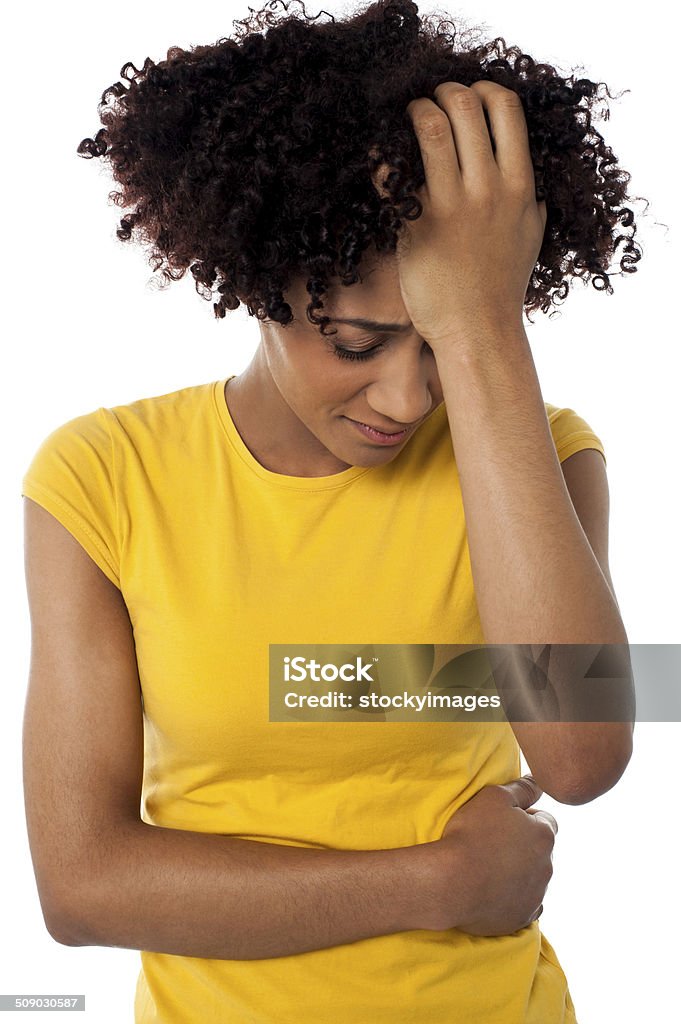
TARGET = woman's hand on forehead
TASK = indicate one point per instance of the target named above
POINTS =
(468, 258)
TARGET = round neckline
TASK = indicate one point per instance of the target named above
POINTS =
(297, 483)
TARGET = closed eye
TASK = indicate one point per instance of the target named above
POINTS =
(348, 353)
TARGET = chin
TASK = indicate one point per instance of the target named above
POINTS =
(377, 456)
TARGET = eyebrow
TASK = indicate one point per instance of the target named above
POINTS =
(372, 325)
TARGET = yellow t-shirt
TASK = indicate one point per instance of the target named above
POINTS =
(218, 557)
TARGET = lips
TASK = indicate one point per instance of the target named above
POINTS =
(384, 430)
(380, 437)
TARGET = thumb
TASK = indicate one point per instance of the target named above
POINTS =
(525, 791)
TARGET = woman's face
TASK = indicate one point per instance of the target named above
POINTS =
(325, 394)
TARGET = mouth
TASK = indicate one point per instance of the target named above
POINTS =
(382, 436)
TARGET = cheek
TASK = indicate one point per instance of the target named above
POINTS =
(289, 364)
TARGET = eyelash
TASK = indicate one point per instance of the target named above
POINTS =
(346, 353)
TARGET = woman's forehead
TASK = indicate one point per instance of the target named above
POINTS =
(376, 297)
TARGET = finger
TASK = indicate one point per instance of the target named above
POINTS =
(440, 162)
(509, 128)
(379, 174)
(469, 129)
(524, 791)
(545, 816)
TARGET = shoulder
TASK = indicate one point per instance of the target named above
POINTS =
(171, 411)
(571, 432)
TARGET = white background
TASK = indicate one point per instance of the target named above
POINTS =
(83, 329)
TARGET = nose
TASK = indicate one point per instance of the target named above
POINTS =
(402, 391)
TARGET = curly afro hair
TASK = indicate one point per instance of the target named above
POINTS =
(250, 161)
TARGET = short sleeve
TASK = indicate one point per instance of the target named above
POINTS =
(71, 475)
(571, 433)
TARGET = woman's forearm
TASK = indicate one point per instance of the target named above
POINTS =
(537, 580)
(203, 895)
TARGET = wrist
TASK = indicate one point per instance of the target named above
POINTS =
(422, 873)
(473, 339)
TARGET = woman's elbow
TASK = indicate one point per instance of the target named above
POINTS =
(581, 787)
(66, 925)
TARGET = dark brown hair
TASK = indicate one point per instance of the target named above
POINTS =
(248, 161)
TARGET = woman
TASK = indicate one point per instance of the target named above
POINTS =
(395, 482)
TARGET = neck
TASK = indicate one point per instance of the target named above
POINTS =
(270, 429)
